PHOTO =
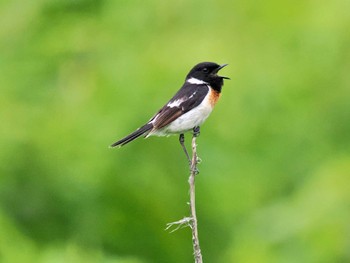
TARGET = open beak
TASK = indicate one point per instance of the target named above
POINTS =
(222, 66)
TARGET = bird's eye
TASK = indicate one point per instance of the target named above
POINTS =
(205, 70)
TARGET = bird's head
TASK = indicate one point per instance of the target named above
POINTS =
(207, 72)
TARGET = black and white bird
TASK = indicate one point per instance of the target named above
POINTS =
(189, 107)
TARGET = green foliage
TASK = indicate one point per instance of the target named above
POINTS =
(274, 179)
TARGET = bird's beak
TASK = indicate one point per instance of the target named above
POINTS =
(222, 66)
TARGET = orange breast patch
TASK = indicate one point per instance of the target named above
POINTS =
(213, 97)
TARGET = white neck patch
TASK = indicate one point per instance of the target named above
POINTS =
(196, 81)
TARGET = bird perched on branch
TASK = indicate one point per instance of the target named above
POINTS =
(189, 107)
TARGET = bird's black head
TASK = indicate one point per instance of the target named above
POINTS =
(207, 72)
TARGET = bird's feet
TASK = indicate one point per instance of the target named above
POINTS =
(196, 131)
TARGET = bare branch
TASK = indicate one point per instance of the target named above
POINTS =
(192, 220)
(184, 222)
(194, 171)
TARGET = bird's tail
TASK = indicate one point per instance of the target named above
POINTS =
(139, 132)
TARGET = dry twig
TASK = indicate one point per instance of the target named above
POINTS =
(192, 220)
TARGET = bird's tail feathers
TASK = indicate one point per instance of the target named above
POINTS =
(139, 132)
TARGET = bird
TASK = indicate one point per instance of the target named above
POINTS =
(187, 109)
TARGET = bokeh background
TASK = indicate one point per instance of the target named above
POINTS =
(76, 75)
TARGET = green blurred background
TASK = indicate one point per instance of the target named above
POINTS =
(76, 75)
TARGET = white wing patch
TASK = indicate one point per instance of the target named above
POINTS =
(194, 93)
(175, 103)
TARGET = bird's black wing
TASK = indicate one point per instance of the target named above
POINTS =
(187, 98)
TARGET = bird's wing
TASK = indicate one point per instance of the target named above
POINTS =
(187, 98)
